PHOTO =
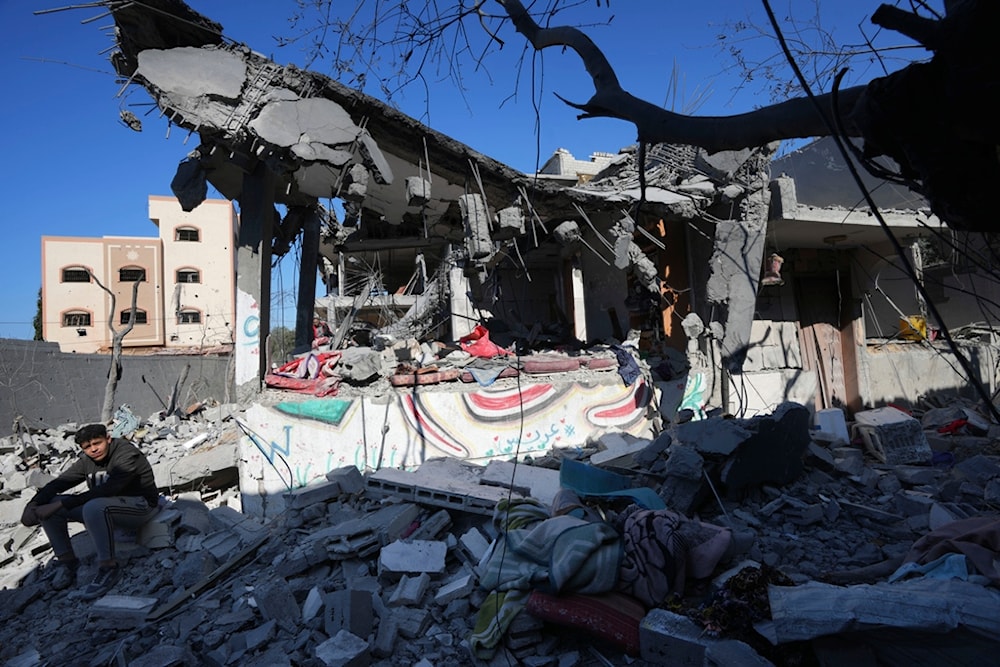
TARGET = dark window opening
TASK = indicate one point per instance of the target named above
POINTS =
(76, 276)
(131, 275)
(140, 316)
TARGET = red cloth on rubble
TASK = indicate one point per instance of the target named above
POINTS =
(478, 343)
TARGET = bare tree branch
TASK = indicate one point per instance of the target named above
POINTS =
(115, 372)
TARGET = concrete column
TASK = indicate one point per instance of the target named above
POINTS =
(463, 317)
(579, 304)
(253, 281)
(307, 280)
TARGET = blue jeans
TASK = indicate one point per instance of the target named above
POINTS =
(100, 516)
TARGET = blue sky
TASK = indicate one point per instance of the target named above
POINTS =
(71, 168)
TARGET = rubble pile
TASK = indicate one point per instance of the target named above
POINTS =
(721, 541)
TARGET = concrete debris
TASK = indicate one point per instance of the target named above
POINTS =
(822, 540)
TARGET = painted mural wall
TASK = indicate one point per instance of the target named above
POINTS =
(290, 444)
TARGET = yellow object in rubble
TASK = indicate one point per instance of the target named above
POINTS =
(913, 327)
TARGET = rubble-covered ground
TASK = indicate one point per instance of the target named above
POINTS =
(378, 568)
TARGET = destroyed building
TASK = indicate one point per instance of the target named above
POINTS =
(512, 348)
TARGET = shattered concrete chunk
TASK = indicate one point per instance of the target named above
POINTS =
(194, 72)
(344, 650)
(477, 226)
(412, 557)
(418, 191)
(287, 122)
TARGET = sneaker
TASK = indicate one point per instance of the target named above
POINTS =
(105, 580)
(64, 574)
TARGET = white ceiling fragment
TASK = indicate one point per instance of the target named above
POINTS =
(193, 72)
(283, 123)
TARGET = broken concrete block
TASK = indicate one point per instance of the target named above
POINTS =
(391, 521)
(221, 544)
(385, 638)
(158, 532)
(164, 654)
(713, 436)
(542, 484)
(418, 191)
(410, 591)
(773, 453)
(322, 492)
(313, 603)
(510, 222)
(432, 527)
(349, 610)
(349, 478)
(126, 609)
(477, 226)
(619, 449)
(913, 503)
(475, 544)
(248, 528)
(673, 639)
(445, 482)
(259, 635)
(344, 650)
(357, 183)
(893, 436)
(412, 622)
(412, 557)
(457, 588)
(275, 601)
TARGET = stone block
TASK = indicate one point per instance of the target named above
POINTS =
(344, 650)
(457, 588)
(221, 544)
(619, 449)
(673, 639)
(123, 608)
(412, 622)
(248, 528)
(410, 590)
(413, 557)
(391, 521)
(158, 532)
(418, 191)
(510, 222)
(312, 604)
(276, 602)
(432, 527)
(713, 436)
(542, 484)
(349, 610)
(385, 638)
(259, 635)
(474, 543)
(773, 452)
(322, 492)
(349, 478)
(913, 503)
(893, 436)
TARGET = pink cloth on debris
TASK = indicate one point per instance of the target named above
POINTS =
(478, 343)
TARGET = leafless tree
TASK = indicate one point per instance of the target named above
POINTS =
(117, 336)
(933, 117)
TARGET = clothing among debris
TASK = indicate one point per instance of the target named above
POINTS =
(556, 561)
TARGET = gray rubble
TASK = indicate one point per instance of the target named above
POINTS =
(384, 568)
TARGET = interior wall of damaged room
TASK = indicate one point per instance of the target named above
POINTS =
(291, 443)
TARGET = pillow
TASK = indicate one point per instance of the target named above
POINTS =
(614, 617)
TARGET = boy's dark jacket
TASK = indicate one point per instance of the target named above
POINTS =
(123, 472)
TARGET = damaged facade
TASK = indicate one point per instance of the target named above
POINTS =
(528, 356)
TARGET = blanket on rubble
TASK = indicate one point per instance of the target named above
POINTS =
(535, 551)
